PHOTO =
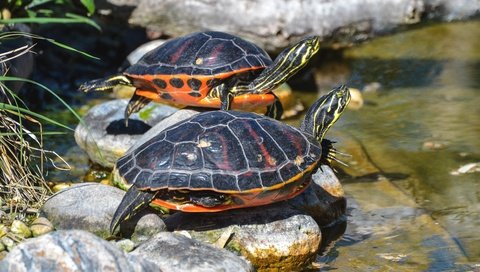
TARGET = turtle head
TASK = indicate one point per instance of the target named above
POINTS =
(325, 112)
(300, 53)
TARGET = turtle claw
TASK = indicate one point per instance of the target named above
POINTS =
(133, 202)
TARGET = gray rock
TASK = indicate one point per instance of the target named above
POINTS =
(324, 199)
(103, 134)
(270, 237)
(90, 207)
(73, 250)
(274, 24)
(175, 252)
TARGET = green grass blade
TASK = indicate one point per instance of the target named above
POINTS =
(89, 5)
(15, 110)
(53, 20)
(6, 78)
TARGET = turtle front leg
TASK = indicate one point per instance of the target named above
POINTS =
(136, 103)
(105, 84)
(275, 110)
(225, 95)
(287, 64)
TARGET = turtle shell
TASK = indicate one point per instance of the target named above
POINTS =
(224, 152)
(202, 53)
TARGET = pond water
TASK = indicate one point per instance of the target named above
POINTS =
(423, 123)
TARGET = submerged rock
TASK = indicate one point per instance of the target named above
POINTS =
(175, 252)
(103, 134)
(90, 207)
(73, 250)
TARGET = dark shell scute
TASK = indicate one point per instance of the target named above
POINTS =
(261, 150)
(270, 178)
(221, 150)
(201, 180)
(294, 143)
(249, 180)
(224, 182)
(125, 163)
(159, 180)
(187, 156)
(143, 179)
(179, 180)
(288, 171)
(155, 156)
(184, 132)
(131, 174)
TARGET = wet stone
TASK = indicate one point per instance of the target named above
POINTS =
(73, 250)
(90, 207)
(104, 136)
(324, 199)
(175, 252)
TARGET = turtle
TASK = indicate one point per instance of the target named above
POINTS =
(220, 160)
(212, 70)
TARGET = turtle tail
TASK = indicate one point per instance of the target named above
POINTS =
(133, 202)
(105, 84)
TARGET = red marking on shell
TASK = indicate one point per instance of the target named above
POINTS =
(268, 159)
(213, 55)
(174, 58)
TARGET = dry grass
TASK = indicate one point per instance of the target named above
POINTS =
(23, 188)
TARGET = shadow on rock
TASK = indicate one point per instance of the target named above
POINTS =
(135, 127)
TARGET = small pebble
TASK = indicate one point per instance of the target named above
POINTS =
(21, 229)
(60, 186)
(41, 226)
(372, 87)
(433, 145)
(7, 242)
(3, 230)
(356, 101)
(126, 245)
(2, 247)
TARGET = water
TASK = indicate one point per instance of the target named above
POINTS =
(424, 122)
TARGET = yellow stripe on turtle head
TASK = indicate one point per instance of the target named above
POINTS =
(325, 112)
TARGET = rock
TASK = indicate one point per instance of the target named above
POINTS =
(103, 134)
(41, 226)
(324, 200)
(21, 229)
(90, 207)
(274, 237)
(126, 245)
(356, 101)
(8, 243)
(73, 250)
(338, 23)
(175, 252)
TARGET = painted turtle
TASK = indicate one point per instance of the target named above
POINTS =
(220, 160)
(210, 69)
